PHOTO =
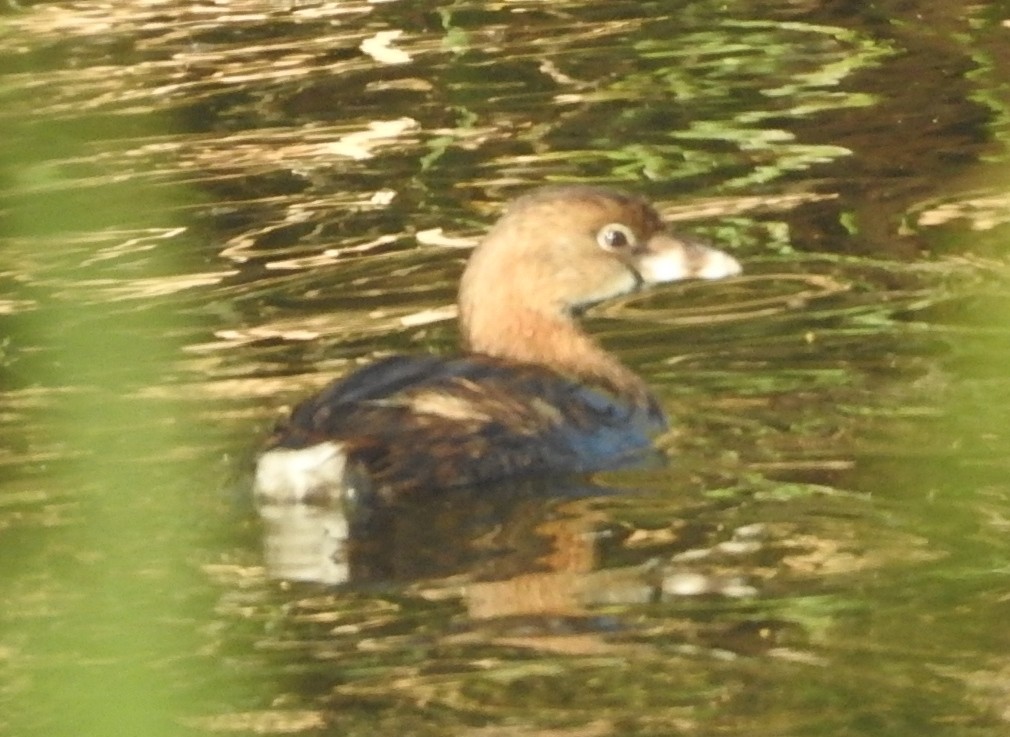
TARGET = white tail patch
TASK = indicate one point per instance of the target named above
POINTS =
(292, 475)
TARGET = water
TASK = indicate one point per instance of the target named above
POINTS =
(209, 210)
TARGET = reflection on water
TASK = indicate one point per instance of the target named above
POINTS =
(306, 542)
(208, 210)
(563, 548)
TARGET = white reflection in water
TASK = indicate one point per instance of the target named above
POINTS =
(305, 542)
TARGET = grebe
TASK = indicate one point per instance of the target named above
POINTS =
(533, 394)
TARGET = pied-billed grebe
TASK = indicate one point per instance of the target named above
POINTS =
(533, 395)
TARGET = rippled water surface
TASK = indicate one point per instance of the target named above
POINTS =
(209, 209)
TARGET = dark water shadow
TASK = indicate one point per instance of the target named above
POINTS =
(492, 531)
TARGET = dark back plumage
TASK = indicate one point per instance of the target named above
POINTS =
(413, 422)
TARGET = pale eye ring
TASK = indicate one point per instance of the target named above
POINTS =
(615, 237)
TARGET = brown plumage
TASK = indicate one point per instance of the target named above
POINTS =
(535, 394)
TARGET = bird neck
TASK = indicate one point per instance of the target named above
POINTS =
(556, 341)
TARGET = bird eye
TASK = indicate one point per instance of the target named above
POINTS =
(615, 237)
